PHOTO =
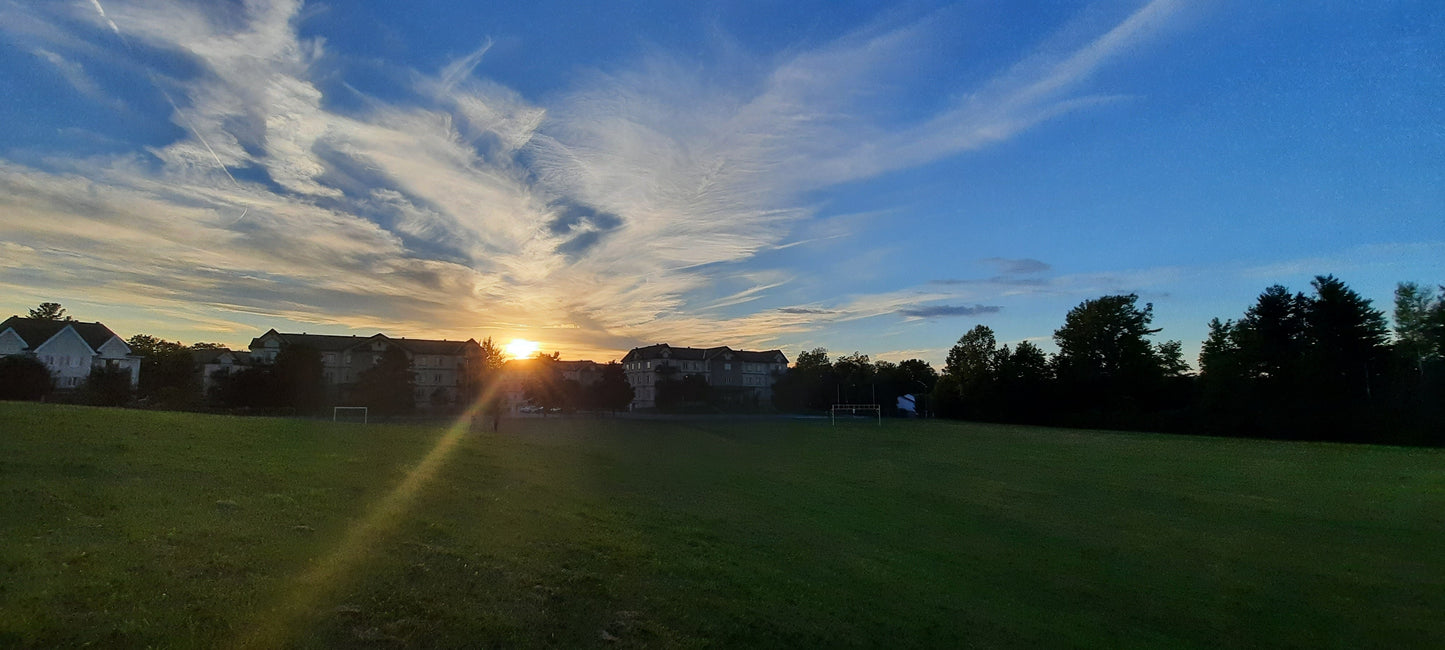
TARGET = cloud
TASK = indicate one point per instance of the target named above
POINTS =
(610, 213)
(940, 311)
(1022, 266)
(78, 78)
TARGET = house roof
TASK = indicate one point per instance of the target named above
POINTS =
(36, 331)
(338, 343)
(665, 351)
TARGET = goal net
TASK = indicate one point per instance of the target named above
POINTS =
(349, 414)
(855, 410)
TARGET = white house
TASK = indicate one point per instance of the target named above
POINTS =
(69, 349)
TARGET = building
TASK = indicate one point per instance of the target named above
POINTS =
(442, 368)
(212, 365)
(739, 375)
(517, 373)
(69, 349)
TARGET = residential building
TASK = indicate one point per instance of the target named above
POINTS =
(738, 375)
(69, 349)
(442, 368)
(212, 365)
(516, 373)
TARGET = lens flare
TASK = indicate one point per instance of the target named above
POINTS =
(277, 625)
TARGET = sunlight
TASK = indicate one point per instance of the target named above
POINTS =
(327, 574)
(522, 348)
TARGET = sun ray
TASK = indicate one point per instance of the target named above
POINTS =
(277, 625)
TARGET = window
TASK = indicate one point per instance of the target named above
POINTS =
(727, 366)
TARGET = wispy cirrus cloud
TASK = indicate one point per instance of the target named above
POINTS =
(604, 214)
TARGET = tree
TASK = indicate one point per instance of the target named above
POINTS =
(1272, 334)
(107, 386)
(1417, 326)
(1023, 379)
(388, 387)
(1105, 362)
(689, 391)
(814, 360)
(543, 383)
(809, 385)
(255, 387)
(167, 373)
(612, 392)
(972, 366)
(24, 378)
(50, 311)
(1347, 340)
(302, 382)
(908, 377)
(492, 357)
(855, 376)
(1296, 365)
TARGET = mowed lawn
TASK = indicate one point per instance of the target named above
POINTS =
(129, 528)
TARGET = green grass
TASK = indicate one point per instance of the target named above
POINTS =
(128, 528)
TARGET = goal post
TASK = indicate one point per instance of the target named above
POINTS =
(349, 414)
(853, 409)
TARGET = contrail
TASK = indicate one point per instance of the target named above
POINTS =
(155, 82)
(107, 20)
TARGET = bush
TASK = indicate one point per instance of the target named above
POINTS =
(24, 378)
(107, 386)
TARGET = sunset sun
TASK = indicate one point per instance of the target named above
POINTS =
(521, 348)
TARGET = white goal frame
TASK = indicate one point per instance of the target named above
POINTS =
(336, 412)
(853, 410)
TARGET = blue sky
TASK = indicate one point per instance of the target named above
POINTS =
(857, 176)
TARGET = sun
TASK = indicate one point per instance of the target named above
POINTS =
(521, 348)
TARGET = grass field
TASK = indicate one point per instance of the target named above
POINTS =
(129, 528)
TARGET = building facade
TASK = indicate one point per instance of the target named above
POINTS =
(69, 349)
(741, 375)
(442, 369)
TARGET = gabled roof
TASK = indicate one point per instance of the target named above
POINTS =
(339, 343)
(665, 351)
(767, 356)
(319, 342)
(433, 346)
(36, 331)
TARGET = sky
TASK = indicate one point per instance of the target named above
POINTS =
(871, 177)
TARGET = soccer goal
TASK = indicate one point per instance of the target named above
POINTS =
(349, 414)
(852, 410)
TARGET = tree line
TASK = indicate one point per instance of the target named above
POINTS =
(1318, 366)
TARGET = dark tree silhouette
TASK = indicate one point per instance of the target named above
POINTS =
(107, 386)
(971, 367)
(167, 374)
(388, 387)
(809, 385)
(1024, 383)
(1106, 367)
(299, 373)
(24, 378)
(50, 311)
(611, 392)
